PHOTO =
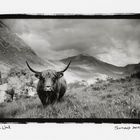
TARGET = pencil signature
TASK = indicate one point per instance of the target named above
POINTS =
(117, 127)
(5, 127)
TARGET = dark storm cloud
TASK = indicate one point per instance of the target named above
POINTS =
(107, 39)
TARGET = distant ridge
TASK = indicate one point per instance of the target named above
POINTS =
(86, 64)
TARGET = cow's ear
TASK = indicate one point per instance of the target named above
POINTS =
(37, 75)
(59, 74)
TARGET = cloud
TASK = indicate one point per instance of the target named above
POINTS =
(122, 54)
(36, 42)
(43, 47)
(110, 40)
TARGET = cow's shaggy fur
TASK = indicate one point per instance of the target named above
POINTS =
(59, 87)
(51, 86)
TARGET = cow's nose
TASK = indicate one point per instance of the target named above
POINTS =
(48, 88)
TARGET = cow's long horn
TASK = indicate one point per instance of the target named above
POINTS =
(32, 69)
(66, 67)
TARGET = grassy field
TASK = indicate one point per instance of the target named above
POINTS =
(110, 99)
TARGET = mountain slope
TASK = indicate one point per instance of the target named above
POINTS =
(132, 68)
(87, 67)
(14, 51)
(86, 63)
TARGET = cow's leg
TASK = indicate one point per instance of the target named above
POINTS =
(61, 94)
(43, 100)
(54, 98)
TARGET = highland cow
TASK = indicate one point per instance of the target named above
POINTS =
(51, 85)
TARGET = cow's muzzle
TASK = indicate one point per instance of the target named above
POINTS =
(48, 89)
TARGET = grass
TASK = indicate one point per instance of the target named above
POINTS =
(115, 99)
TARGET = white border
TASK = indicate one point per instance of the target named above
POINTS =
(68, 131)
(69, 6)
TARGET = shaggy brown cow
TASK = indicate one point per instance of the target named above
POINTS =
(51, 86)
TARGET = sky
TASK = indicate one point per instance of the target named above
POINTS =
(115, 41)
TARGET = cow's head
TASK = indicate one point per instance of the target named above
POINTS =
(48, 79)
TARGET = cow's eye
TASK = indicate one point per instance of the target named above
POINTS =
(59, 75)
(54, 79)
(37, 76)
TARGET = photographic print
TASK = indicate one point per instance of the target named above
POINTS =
(71, 68)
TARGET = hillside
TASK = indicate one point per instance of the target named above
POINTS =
(14, 51)
(87, 67)
(132, 68)
(105, 99)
